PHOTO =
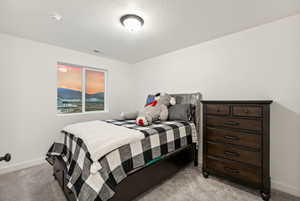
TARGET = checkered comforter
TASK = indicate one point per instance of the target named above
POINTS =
(160, 139)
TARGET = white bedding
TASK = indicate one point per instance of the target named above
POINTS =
(101, 137)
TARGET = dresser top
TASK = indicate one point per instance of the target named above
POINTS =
(238, 101)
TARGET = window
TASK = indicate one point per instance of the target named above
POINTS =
(94, 90)
(80, 89)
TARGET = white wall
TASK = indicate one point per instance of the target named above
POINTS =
(28, 121)
(260, 63)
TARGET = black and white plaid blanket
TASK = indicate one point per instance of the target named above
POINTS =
(160, 139)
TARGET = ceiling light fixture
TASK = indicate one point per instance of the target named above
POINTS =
(132, 22)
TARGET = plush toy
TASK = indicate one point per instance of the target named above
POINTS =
(155, 110)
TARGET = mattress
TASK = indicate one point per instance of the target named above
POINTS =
(92, 180)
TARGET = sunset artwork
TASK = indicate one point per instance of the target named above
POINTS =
(70, 89)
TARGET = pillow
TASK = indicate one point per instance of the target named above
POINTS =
(180, 112)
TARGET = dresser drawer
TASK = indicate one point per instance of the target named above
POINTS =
(247, 111)
(235, 170)
(233, 137)
(218, 109)
(248, 124)
(233, 153)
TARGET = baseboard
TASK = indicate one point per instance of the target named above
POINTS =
(21, 165)
(285, 188)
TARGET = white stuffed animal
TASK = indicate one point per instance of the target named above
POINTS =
(156, 110)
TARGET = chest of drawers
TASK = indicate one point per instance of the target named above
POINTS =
(236, 142)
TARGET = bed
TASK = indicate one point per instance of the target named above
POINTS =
(162, 150)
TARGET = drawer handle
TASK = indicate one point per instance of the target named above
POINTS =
(231, 137)
(231, 170)
(232, 123)
(231, 154)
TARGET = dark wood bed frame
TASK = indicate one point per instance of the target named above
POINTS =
(146, 177)
(151, 175)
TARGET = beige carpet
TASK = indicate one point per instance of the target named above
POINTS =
(38, 184)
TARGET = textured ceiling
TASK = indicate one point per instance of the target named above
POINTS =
(169, 24)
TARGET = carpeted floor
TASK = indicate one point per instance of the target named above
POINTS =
(38, 184)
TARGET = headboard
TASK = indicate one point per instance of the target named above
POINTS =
(194, 99)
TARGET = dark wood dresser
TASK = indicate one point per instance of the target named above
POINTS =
(236, 142)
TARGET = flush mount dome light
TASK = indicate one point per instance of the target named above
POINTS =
(132, 22)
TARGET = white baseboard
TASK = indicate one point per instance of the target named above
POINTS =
(285, 188)
(21, 165)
